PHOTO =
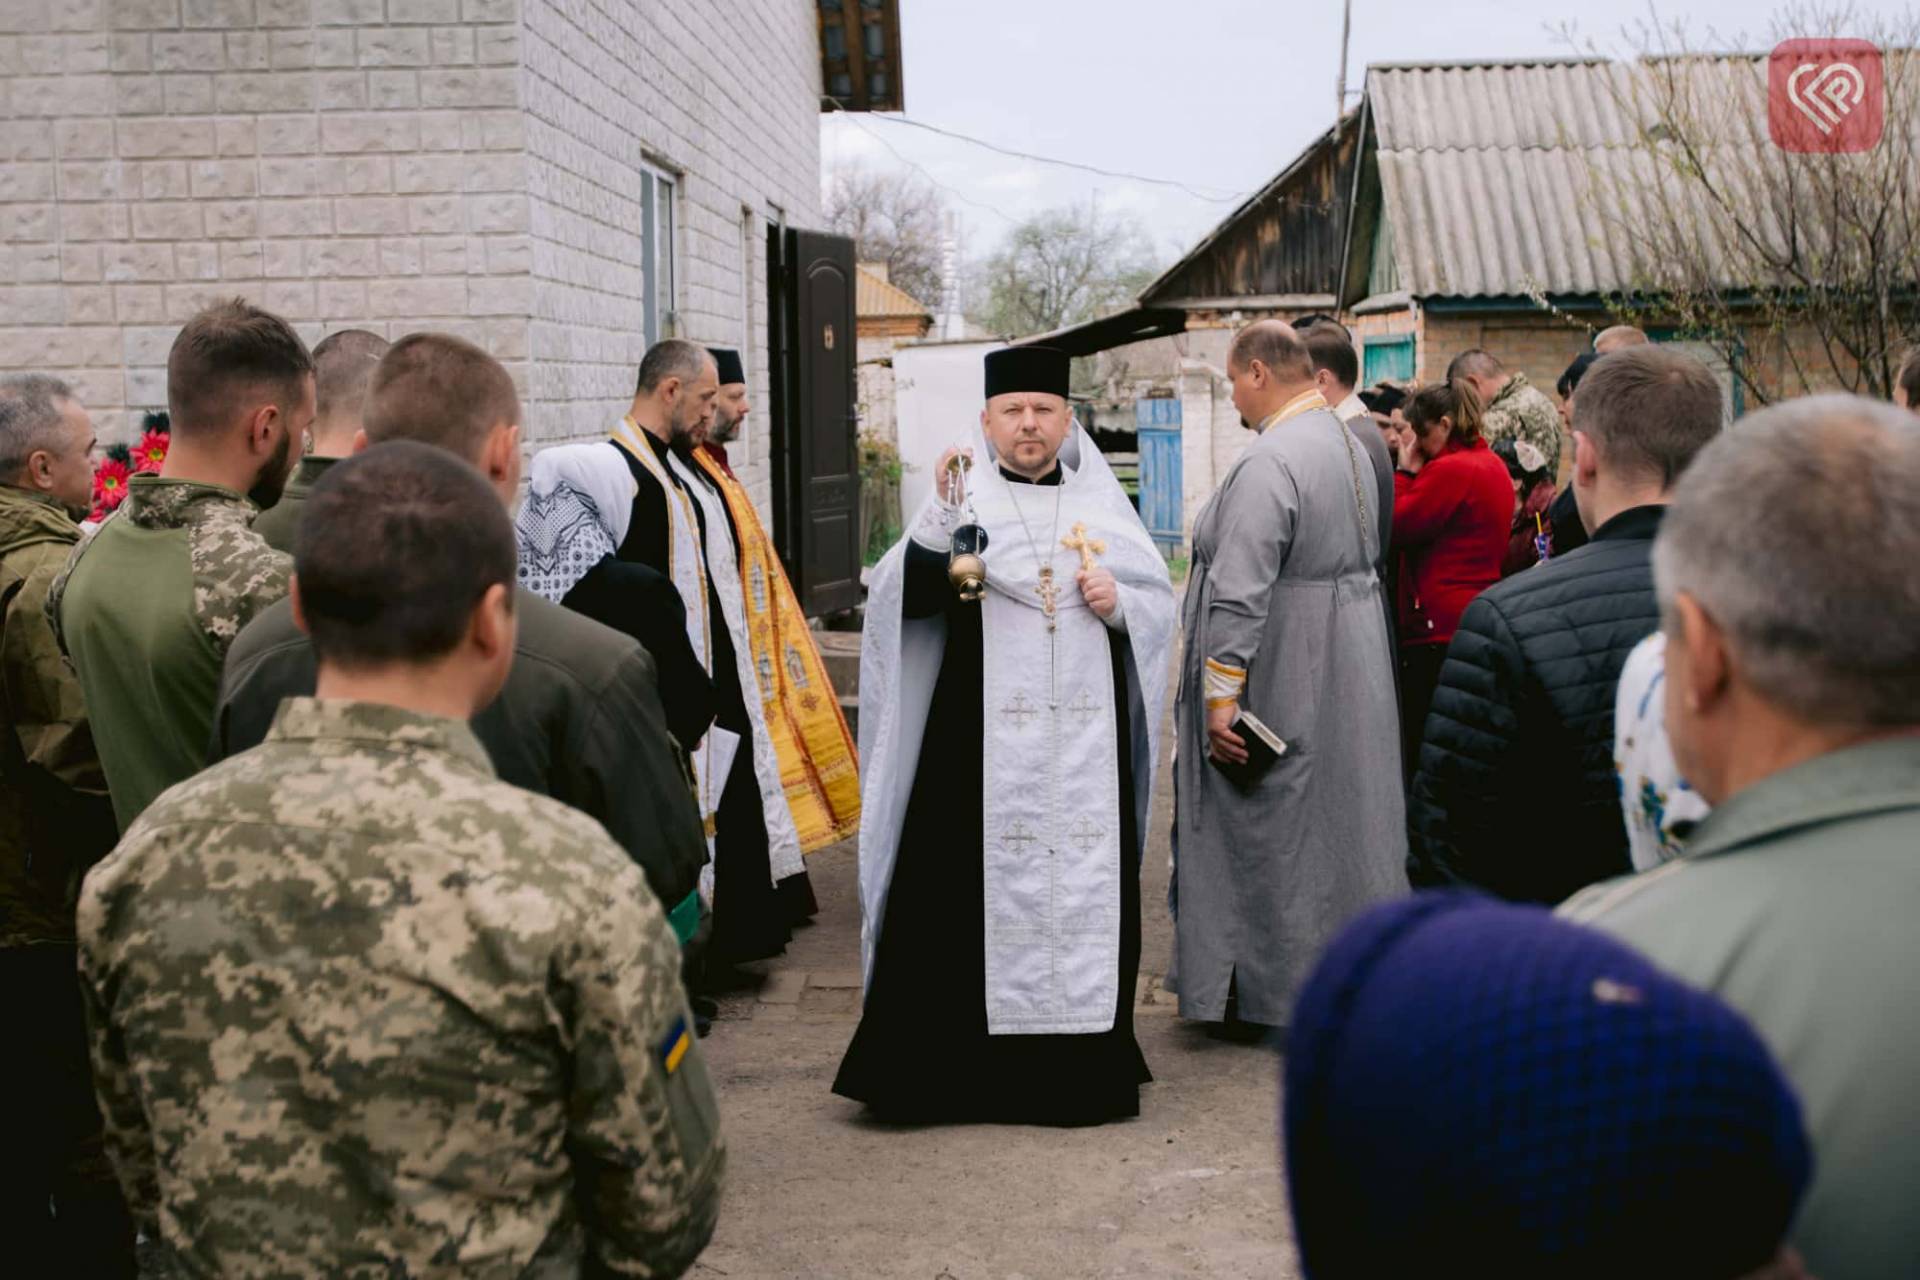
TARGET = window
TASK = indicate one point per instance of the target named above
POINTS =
(656, 254)
(1387, 356)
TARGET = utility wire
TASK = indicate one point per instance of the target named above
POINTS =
(1064, 164)
(953, 191)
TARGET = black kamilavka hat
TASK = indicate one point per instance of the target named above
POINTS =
(1012, 369)
(728, 360)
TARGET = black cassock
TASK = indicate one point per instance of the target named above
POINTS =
(922, 1052)
(752, 917)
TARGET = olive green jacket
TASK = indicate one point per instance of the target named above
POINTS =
(579, 720)
(278, 522)
(55, 819)
(1796, 902)
(357, 1007)
(146, 610)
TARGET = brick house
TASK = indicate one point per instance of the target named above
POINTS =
(561, 183)
(1448, 211)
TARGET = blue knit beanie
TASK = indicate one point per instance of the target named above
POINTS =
(1476, 1088)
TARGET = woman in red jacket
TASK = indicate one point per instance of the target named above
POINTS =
(1452, 509)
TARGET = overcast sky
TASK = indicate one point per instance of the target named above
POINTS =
(1216, 94)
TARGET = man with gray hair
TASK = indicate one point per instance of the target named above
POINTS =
(63, 1211)
(1791, 604)
(1515, 790)
(343, 365)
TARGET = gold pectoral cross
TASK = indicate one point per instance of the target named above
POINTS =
(1077, 540)
(1049, 595)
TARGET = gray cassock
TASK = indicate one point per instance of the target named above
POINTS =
(1283, 587)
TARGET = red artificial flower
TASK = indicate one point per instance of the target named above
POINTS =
(150, 452)
(109, 484)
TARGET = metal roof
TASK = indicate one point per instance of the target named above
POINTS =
(1487, 171)
(876, 298)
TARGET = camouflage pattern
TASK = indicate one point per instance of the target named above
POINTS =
(1522, 411)
(359, 1008)
(146, 610)
(54, 817)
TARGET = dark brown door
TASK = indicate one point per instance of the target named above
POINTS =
(816, 458)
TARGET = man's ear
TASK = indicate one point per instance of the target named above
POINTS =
(502, 456)
(1586, 459)
(360, 440)
(1708, 665)
(299, 606)
(260, 427)
(492, 627)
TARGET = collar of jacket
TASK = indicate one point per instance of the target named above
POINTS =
(1514, 383)
(376, 724)
(1305, 402)
(1634, 522)
(153, 502)
(307, 474)
(1874, 777)
(28, 518)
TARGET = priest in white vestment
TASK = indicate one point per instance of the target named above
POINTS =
(1008, 746)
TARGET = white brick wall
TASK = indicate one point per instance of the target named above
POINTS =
(721, 95)
(467, 165)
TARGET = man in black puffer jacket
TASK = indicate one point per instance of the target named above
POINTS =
(1516, 791)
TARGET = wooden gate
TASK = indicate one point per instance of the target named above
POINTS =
(816, 484)
(1157, 424)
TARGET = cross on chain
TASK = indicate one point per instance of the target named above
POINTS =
(1084, 834)
(1018, 837)
(1019, 710)
(1049, 593)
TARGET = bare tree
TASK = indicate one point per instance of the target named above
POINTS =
(1800, 271)
(894, 218)
(1062, 267)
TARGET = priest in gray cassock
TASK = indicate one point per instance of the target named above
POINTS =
(1008, 744)
(1282, 623)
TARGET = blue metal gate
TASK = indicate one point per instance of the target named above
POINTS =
(1157, 422)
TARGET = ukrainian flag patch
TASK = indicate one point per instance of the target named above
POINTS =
(675, 1046)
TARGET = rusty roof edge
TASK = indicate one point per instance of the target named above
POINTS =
(1321, 141)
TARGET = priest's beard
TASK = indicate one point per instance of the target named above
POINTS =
(724, 429)
(272, 480)
(681, 421)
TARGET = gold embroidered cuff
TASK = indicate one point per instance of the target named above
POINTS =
(1224, 683)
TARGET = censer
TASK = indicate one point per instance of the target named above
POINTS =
(966, 566)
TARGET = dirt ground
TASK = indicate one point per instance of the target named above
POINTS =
(1192, 1187)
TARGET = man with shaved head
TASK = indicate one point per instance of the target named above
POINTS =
(148, 606)
(343, 363)
(579, 718)
(1289, 816)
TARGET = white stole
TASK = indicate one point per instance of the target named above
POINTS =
(1050, 806)
(688, 572)
(723, 563)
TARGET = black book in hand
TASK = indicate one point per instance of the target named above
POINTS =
(1264, 748)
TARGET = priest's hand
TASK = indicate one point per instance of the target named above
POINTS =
(1099, 590)
(946, 477)
(1228, 747)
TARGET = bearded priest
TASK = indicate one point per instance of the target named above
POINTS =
(1008, 732)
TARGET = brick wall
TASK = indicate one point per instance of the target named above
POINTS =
(724, 101)
(345, 163)
(464, 165)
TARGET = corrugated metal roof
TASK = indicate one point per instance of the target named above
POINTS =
(1505, 179)
(874, 298)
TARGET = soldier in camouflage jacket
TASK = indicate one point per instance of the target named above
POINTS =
(360, 1008)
